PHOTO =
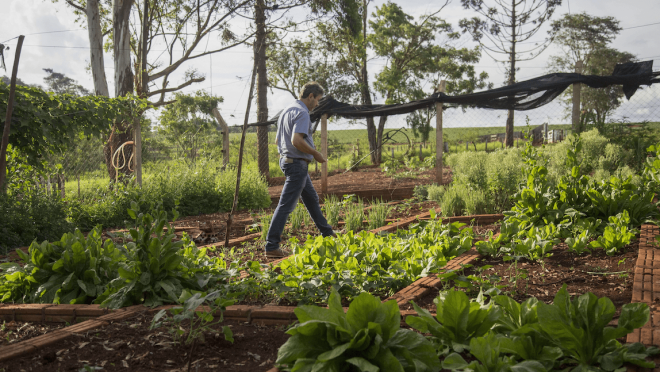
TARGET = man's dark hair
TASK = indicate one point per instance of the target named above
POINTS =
(312, 87)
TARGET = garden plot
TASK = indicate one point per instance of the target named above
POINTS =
(598, 273)
(132, 344)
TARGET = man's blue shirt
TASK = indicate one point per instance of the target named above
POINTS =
(294, 119)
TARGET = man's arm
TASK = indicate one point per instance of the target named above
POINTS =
(298, 141)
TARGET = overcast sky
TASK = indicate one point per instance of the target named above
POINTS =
(68, 53)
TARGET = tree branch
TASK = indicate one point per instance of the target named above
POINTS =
(76, 6)
(169, 90)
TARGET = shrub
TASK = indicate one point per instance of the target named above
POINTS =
(331, 209)
(193, 191)
(452, 203)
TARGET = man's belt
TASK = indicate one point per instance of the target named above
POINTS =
(290, 160)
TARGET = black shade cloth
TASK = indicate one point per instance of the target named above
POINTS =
(525, 95)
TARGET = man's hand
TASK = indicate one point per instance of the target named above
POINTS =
(319, 157)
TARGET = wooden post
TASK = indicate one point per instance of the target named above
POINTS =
(392, 148)
(10, 108)
(575, 117)
(78, 186)
(62, 186)
(137, 148)
(225, 136)
(421, 157)
(439, 145)
(486, 144)
(324, 152)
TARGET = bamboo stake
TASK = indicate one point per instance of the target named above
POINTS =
(240, 154)
(439, 145)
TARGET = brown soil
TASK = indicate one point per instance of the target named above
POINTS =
(13, 331)
(131, 346)
(368, 177)
(605, 276)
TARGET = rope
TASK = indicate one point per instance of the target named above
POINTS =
(115, 159)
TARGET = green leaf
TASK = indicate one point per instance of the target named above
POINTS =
(363, 364)
(454, 361)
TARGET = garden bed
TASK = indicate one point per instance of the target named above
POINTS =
(16, 331)
(605, 276)
(131, 344)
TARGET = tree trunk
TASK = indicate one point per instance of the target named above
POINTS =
(121, 132)
(381, 128)
(508, 138)
(96, 48)
(364, 88)
(262, 88)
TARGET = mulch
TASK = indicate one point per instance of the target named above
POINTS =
(131, 346)
(605, 276)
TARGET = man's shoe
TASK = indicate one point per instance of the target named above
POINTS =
(278, 253)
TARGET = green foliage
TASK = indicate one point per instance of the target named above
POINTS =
(367, 337)
(435, 192)
(580, 243)
(196, 321)
(616, 234)
(42, 122)
(298, 217)
(378, 214)
(452, 203)
(488, 352)
(331, 209)
(156, 269)
(353, 216)
(579, 327)
(264, 224)
(458, 320)
(188, 121)
(356, 263)
(200, 190)
(421, 192)
(74, 270)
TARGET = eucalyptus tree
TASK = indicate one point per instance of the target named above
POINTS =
(504, 29)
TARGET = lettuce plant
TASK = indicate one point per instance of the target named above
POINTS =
(457, 321)
(365, 338)
(616, 234)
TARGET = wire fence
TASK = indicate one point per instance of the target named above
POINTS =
(83, 168)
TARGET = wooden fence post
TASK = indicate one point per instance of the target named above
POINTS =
(575, 117)
(324, 152)
(10, 108)
(225, 136)
(439, 145)
(138, 150)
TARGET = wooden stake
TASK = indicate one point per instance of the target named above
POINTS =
(324, 152)
(10, 109)
(439, 145)
(225, 136)
(137, 148)
(78, 186)
(240, 154)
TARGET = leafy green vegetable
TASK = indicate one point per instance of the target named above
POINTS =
(488, 352)
(157, 270)
(579, 328)
(73, 270)
(457, 321)
(616, 234)
(366, 338)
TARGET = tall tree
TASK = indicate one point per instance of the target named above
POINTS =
(579, 35)
(59, 83)
(504, 24)
(415, 59)
(186, 121)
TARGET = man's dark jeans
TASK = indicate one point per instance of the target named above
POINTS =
(297, 184)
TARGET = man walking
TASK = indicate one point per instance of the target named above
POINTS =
(297, 150)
